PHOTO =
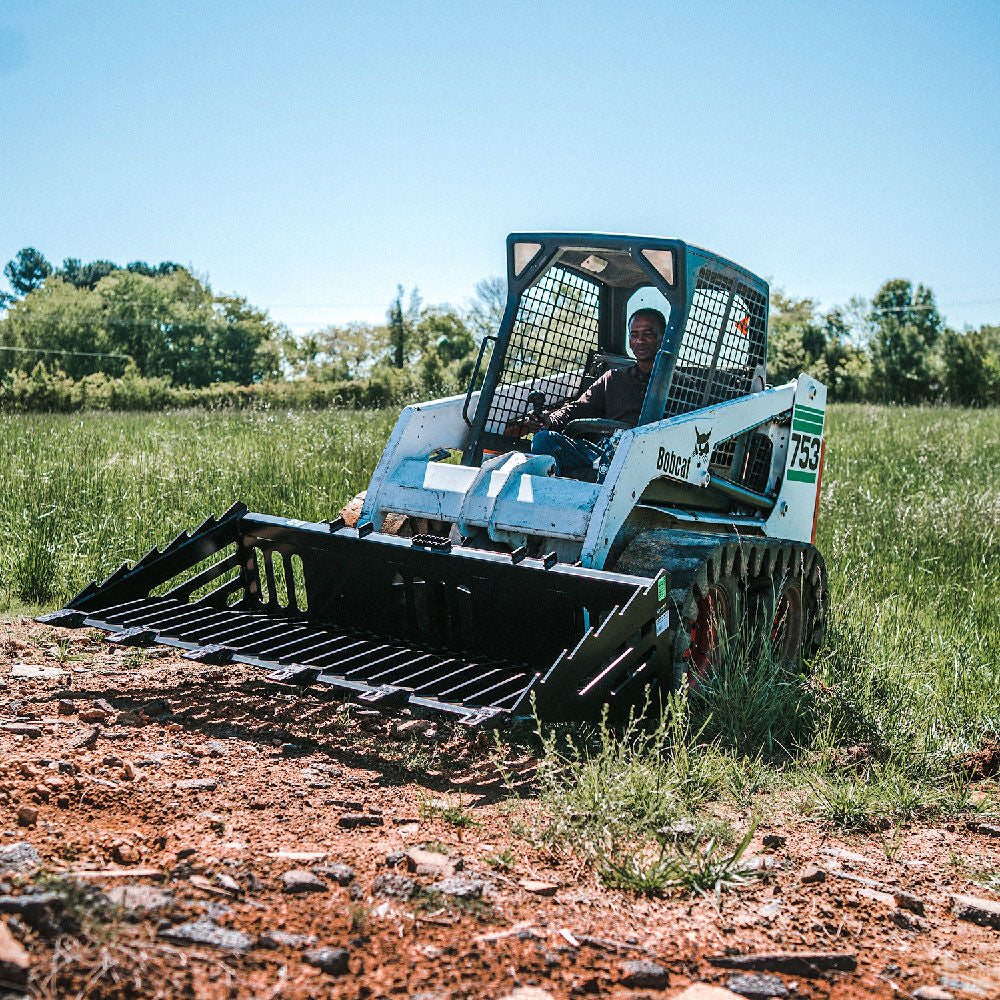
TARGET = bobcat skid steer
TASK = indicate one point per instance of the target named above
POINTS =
(519, 590)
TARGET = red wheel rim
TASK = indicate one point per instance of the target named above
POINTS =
(708, 635)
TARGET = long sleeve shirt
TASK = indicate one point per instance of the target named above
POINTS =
(616, 395)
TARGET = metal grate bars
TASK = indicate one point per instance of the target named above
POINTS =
(724, 342)
(554, 333)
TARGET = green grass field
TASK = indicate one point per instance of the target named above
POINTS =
(81, 493)
(909, 526)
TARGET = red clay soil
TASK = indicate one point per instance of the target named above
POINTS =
(201, 788)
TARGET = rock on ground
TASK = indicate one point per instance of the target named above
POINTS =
(207, 932)
(299, 880)
(335, 961)
(641, 973)
(757, 985)
(984, 912)
(18, 858)
(14, 960)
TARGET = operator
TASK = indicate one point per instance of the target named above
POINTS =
(616, 395)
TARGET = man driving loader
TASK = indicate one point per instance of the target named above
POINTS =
(616, 395)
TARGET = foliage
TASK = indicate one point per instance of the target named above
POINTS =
(487, 306)
(601, 788)
(46, 391)
(82, 492)
(401, 324)
(823, 346)
(907, 326)
(81, 275)
(98, 318)
(168, 326)
(27, 271)
(702, 867)
(971, 366)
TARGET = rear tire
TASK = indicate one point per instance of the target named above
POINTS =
(788, 614)
(715, 626)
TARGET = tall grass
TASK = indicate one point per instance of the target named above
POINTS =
(910, 528)
(80, 493)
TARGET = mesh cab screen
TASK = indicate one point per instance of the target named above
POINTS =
(554, 334)
(724, 341)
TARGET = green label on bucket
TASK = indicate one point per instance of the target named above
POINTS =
(661, 588)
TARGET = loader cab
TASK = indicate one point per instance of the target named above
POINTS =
(568, 302)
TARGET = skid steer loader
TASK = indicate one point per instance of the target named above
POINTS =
(520, 591)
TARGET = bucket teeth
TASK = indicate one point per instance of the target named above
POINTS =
(137, 636)
(87, 591)
(302, 676)
(148, 557)
(209, 522)
(177, 542)
(484, 718)
(385, 696)
(215, 654)
(119, 574)
(64, 618)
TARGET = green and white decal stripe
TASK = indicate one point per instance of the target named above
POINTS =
(800, 476)
(808, 419)
(806, 444)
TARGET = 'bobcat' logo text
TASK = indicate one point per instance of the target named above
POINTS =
(672, 464)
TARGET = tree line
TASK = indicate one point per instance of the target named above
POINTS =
(104, 335)
(895, 348)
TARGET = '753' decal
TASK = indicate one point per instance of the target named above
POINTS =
(806, 449)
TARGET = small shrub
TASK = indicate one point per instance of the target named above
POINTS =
(703, 867)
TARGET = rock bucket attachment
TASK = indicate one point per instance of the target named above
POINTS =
(454, 630)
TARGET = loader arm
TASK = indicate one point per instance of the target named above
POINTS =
(680, 449)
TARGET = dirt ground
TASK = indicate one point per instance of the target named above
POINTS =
(201, 832)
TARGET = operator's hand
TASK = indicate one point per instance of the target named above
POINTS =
(532, 423)
(527, 424)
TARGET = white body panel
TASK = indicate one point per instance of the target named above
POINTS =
(514, 496)
(420, 429)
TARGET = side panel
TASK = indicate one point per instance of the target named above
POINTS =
(793, 514)
(678, 448)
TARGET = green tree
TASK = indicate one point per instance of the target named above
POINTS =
(245, 342)
(795, 341)
(347, 351)
(486, 310)
(169, 325)
(446, 342)
(906, 330)
(62, 325)
(847, 368)
(971, 366)
(86, 275)
(402, 324)
(442, 329)
(27, 271)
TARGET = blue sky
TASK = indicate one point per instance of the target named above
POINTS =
(312, 155)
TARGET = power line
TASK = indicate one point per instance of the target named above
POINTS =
(79, 354)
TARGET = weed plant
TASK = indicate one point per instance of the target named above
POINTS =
(702, 867)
